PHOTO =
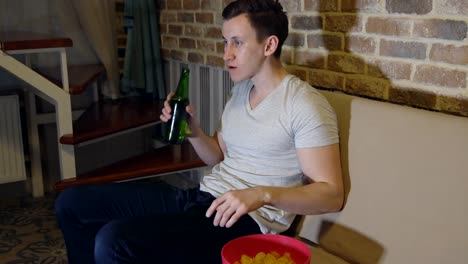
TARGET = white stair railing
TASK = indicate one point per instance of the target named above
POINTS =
(57, 96)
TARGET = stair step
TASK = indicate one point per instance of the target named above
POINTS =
(108, 117)
(21, 40)
(79, 76)
(170, 158)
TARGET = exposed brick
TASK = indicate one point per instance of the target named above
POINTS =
(218, 19)
(174, 4)
(361, 44)
(366, 86)
(412, 97)
(343, 23)
(389, 69)
(389, 26)
(220, 47)
(414, 50)
(321, 6)
(191, 4)
(448, 104)
(196, 57)
(346, 63)
(206, 45)
(419, 7)
(464, 106)
(213, 32)
(438, 28)
(299, 72)
(166, 53)
(450, 54)
(210, 5)
(178, 55)
(163, 28)
(206, 18)
(440, 76)
(321, 25)
(193, 31)
(306, 22)
(326, 79)
(187, 43)
(291, 6)
(215, 61)
(175, 29)
(451, 7)
(169, 42)
(186, 17)
(286, 56)
(330, 41)
(361, 5)
(295, 39)
(226, 2)
(310, 59)
(168, 17)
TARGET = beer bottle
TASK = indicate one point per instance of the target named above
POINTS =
(176, 126)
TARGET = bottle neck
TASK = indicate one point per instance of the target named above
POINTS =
(182, 87)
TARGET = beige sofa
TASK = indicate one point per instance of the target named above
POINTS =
(406, 177)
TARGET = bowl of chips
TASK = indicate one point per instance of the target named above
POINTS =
(265, 249)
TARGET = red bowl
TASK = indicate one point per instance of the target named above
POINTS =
(252, 244)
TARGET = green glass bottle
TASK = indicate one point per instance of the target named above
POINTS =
(176, 126)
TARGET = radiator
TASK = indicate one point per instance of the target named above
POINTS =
(12, 166)
(209, 89)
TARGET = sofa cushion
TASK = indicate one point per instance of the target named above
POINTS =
(406, 179)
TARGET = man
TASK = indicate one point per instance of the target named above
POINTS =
(275, 155)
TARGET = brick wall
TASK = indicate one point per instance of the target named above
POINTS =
(412, 52)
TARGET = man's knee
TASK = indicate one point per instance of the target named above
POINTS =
(108, 244)
(65, 200)
(103, 243)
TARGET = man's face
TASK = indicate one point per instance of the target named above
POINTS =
(243, 54)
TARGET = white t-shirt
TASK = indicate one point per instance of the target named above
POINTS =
(261, 143)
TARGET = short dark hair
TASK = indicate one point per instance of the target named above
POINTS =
(266, 17)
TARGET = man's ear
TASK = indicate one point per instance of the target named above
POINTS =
(271, 44)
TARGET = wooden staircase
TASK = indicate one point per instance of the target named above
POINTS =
(109, 118)
(103, 119)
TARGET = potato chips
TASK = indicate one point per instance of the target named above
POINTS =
(266, 258)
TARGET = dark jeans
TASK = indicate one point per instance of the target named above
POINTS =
(142, 222)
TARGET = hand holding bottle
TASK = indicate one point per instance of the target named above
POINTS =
(192, 121)
(178, 114)
(174, 132)
(166, 113)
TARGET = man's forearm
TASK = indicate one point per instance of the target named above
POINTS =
(314, 198)
(207, 148)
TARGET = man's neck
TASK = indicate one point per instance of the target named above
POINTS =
(269, 77)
